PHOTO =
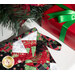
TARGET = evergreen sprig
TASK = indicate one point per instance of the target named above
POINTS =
(37, 11)
(11, 16)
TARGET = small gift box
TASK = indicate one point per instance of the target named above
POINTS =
(60, 21)
(28, 52)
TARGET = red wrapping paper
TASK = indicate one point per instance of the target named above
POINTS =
(54, 27)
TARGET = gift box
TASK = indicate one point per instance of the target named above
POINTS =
(59, 21)
(28, 51)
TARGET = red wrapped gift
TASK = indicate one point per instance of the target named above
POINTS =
(53, 26)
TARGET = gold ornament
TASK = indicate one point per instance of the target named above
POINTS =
(8, 62)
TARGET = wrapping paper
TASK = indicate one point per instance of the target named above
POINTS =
(29, 51)
(54, 27)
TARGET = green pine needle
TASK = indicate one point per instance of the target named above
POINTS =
(12, 15)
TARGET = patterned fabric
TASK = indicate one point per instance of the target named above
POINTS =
(45, 66)
(37, 57)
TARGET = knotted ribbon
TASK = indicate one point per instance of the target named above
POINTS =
(67, 16)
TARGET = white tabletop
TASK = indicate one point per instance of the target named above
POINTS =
(65, 58)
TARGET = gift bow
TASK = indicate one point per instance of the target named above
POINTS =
(64, 16)
(67, 16)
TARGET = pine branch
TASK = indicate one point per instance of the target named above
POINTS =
(37, 11)
(12, 16)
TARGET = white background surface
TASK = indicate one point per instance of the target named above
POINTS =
(5, 33)
(65, 58)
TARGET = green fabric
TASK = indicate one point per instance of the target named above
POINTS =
(28, 49)
(67, 16)
(44, 65)
(39, 36)
(10, 51)
(47, 61)
(29, 67)
(33, 50)
(28, 61)
(7, 47)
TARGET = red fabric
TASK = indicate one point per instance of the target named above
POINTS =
(54, 27)
(42, 57)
